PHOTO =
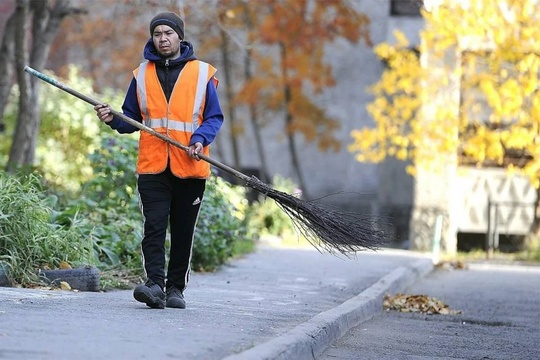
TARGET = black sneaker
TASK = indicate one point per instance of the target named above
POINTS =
(151, 294)
(175, 298)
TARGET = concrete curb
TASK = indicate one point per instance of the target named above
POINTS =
(308, 340)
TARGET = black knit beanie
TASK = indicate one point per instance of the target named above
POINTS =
(169, 19)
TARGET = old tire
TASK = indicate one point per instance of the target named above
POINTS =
(83, 279)
(4, 280)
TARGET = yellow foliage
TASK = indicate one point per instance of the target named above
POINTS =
(402, 41)
(384, 51)
(402, 154)
(499, 85)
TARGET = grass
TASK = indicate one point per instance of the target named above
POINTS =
(243, 247)
(289, 239)
(29, 239)
(532, 256)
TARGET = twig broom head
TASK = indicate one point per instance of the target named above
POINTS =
(325, 228)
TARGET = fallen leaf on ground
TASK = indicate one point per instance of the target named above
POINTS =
(451, 265)
(64, 285)
(417, 304)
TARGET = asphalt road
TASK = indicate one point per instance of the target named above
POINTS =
(500, 319)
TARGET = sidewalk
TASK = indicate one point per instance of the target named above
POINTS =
(273, 304)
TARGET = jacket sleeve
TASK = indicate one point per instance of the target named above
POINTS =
(212, 118)
(131, 109)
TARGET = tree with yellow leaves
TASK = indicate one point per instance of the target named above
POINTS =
(498, 122)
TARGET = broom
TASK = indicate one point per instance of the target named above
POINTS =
(324, 227)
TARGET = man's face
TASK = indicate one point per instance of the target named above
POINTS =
(166, 41)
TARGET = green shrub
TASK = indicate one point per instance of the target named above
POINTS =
(221, 230)
(109, 203)
(267, 218)
(531, 248)
(69, 130)
(29, 237)
(114, 223)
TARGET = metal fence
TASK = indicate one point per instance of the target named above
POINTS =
(498, 220)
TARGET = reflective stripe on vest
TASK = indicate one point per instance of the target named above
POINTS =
(141, 85)
(201, 91)
(171, 123)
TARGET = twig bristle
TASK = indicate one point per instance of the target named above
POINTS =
(326, 228)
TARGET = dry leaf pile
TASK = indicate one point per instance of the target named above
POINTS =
(417, 304)
(451, 265)
(64, 265)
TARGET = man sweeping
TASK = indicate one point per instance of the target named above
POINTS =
(174, 94)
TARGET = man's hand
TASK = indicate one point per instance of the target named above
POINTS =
(194, 151)
(103, 112)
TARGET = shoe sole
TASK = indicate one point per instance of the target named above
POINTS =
(150, 300)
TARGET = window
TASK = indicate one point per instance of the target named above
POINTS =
(406, 7)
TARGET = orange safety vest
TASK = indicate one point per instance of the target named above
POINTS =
(176, 119)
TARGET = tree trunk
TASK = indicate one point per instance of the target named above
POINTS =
(229, 95)
(7, 49)
(24, 140)
(265, 173)
(45, 24)
(288, 121)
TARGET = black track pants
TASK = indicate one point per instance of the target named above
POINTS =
(167, 199)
